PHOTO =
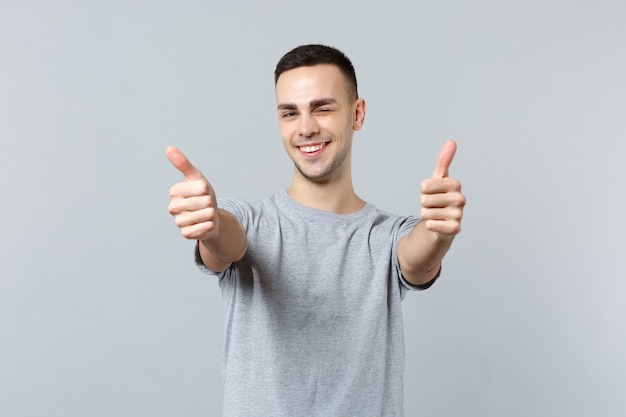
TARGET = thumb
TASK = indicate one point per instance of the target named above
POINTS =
(180, 161)
(445, 159)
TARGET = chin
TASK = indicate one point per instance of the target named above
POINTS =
(319, 177)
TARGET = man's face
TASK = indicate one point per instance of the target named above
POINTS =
(317, 119)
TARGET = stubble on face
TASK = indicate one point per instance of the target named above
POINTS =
(302, 89)
(333, 169)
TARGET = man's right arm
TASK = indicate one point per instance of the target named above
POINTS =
(221, 237)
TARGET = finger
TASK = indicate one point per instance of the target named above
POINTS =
(442, 200)
(444, 227)
(454, 214)
(190, 218)
(441, 185)
(190, 189)
(180, 205)
(180, 161)
(198, 231)
(445, 159)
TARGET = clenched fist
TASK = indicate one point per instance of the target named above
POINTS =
(192, 202)
(442, 201)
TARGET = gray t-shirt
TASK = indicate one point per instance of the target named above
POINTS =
(313, 321)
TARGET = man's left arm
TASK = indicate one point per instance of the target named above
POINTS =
(420, 252)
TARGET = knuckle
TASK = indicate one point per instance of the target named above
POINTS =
(173, 191)
(173, 207)
(179, 221)
(458, 200)
(203, 187)
(187, 233)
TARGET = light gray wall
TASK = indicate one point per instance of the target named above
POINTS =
(102, 312)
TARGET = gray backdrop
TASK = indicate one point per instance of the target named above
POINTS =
(102, 312)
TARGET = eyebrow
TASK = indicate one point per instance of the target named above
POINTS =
(287, 106)
(312, 104)
(322, 102)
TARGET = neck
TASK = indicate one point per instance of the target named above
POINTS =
(334, 196)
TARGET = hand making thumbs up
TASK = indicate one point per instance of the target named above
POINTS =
(192, 202)
(442, 201)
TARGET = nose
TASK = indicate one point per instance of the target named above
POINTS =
(308, 126)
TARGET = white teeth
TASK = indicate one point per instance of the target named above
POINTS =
(314, 148)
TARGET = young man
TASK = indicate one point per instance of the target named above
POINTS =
(313, 276)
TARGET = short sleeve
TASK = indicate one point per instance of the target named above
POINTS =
(235, 206)
(406, 225)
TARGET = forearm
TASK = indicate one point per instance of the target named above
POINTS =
(420, 254)
(226, 246)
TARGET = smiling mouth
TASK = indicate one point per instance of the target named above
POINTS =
(312, 148)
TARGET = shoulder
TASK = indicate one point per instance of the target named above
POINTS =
(245, 210)
(392, 221)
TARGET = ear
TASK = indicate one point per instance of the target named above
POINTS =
(359, 109)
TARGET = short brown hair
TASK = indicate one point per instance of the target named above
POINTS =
(311, 55)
